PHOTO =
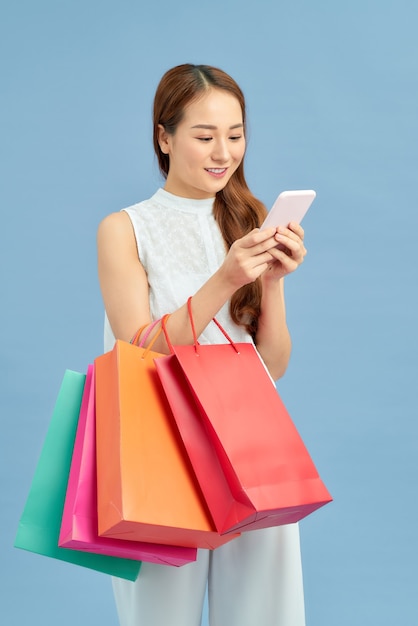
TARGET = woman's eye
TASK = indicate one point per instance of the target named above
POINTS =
(205, 138)
(235, 137)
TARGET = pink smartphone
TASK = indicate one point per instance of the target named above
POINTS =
(290, 206)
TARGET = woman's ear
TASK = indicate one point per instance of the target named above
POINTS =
(163, 139)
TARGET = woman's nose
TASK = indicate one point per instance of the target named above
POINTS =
(220, 151)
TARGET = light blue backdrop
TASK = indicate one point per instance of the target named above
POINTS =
(332, 94)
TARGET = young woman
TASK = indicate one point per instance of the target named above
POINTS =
(198, 236)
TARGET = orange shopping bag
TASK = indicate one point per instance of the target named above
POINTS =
(147, 490)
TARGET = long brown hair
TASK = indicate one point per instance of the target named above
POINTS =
(236, 210)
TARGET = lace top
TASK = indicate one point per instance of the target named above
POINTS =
(180, 246)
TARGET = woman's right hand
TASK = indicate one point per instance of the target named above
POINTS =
(248, 257)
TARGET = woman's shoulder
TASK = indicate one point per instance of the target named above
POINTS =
(116, 223)
(121, 220)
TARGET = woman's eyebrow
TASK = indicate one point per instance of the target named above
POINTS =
(211, 127)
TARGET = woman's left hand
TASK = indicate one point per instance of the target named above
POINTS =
(290, 253)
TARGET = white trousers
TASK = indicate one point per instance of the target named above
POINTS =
(254, 580)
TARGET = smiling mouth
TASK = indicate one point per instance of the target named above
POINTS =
(216, 171)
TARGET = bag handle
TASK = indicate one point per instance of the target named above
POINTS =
(145, 337)
(167, 338)
(195, 341)
(136, 336)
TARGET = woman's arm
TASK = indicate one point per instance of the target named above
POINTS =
(273, 338)
(124, 284)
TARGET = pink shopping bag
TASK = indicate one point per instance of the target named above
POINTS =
(79, 521)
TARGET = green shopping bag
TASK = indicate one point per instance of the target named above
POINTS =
(40, 523)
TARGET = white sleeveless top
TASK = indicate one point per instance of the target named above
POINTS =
(180, 246)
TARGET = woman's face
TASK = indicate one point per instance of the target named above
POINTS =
(207, 146)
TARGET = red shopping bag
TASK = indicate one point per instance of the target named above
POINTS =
(79, 521)
(249, 459)
(147, 490)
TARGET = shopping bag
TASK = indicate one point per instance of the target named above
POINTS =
(79, 519)
(147, 490)
(249, 459)
(40, 522)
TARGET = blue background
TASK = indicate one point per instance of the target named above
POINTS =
(332, 91)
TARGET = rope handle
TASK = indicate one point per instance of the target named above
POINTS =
(223, 331)
(147, 333)
(167, 338)
(195, 340)
(135, 338)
